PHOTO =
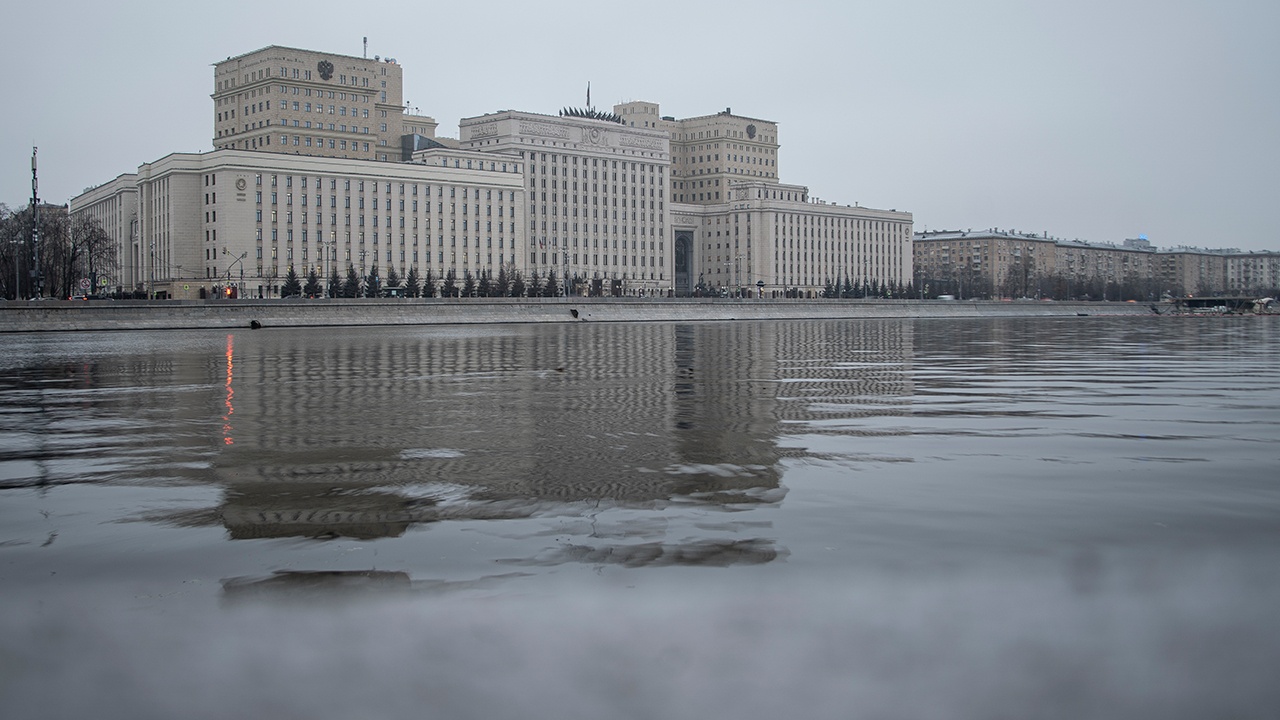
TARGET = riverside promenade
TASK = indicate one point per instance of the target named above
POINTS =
(77, 316)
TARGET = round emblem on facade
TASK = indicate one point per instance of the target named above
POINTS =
(326, 69)
(595, 135)
(751, 131)
(241, 184)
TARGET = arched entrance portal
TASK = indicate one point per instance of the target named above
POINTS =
(684, 263)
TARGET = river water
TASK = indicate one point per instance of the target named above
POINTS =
(1075, 517)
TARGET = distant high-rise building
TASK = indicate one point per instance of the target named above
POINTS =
(995, 263)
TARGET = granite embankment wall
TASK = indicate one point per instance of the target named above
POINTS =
(65, 316)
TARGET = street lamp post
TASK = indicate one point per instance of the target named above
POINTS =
(236, 261)
(327, 249)
(17, 246)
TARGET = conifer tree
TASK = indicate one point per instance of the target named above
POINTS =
(503, 286)
(351, 288)
(335, 284)
(312, 288)
(292, 287)
(429, 286)
(412, 285)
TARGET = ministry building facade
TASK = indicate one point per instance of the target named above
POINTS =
(317, 165)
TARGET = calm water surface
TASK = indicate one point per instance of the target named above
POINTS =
(1066, 518)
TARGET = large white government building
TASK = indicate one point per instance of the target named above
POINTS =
(317, 165)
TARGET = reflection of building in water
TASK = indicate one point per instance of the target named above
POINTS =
(722, 409)
(393, 430)
(364, 432)
(121, 412)
(316, 585)
(262, 510)
(844, 369)
(460, 423)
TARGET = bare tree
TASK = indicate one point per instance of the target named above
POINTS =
(74, 252)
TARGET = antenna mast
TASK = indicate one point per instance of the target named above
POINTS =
(366, 47)
(36, 279)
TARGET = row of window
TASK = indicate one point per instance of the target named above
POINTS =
(333, 239)
(296, 74)
(595, 228)
(274, 181)
(595, 162)
(626, 260)
(712, 134)
(360, 202)
(644, 246)
(273, 218)
(308, 267)
(731, 158)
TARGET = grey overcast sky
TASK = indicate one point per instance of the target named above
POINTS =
(1092, 119)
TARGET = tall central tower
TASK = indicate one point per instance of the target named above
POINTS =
(710, 152)
(303, 102)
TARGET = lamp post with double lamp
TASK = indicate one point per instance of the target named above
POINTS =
(731, 269)
(238, 260)
(363, 280)
(327, 247)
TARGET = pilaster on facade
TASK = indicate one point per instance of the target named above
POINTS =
(596, 196)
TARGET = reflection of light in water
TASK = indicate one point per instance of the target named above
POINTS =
(226, 419)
